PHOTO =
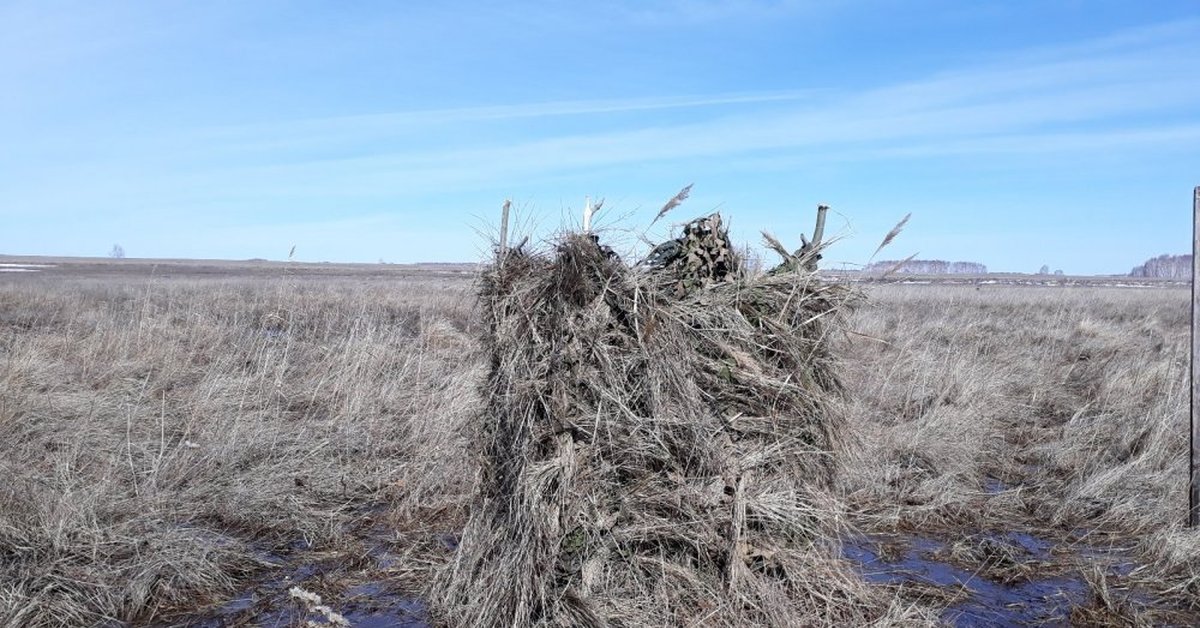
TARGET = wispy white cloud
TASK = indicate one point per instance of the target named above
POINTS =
(676, 11)
(543, 109)
(372, 126)
(1129, 93)
(1140, 92)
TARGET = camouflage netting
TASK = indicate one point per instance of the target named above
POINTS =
(699, 257)
(656, 445)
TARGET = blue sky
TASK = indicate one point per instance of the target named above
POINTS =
(1017, 133)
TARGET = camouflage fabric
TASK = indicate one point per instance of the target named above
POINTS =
(700, 256)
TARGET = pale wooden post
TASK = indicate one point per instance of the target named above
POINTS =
(1194, 457)
(587, 214)
(504, 228)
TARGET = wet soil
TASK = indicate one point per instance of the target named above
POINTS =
(1029, 577)
(993, 578)
(365, 583)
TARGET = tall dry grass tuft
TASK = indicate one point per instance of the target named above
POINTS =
(675, 201)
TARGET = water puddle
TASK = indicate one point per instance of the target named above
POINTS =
(305, 586)
(996, 579)
(270, 603)
(993, 486)
(371, 605)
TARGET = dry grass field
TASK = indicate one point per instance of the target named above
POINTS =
(189, 449)
(1031, 437)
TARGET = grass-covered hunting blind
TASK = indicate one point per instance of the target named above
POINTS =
(657, 439)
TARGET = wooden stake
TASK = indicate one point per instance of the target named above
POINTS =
(810, 250)
(504, 228)
(819, 230)
(1193, 477)
(587, 214)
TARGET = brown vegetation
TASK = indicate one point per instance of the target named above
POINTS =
(164, 440)
(657, 449)
(1061, 412)
(168, 441)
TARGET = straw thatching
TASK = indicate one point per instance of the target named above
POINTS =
(657, 442)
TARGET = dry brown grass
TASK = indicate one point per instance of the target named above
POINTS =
(1059, 388)
(165, 439)
(1073, 401)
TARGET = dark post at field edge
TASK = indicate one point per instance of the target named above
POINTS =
(1193, 478)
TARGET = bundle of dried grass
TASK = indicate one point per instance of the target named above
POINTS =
(652, 456)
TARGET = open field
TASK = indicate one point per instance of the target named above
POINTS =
(186, 442)
(95, 267)
(174, 268)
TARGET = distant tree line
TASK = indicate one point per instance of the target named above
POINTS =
(1165, 267)
(927, 267)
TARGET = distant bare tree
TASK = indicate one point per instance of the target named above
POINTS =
(1044, 270)
(752, 261)
(968, 268)
(928, 267)
(117, 252)
(1165, 267)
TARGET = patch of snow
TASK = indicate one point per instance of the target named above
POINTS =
(9, 267)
